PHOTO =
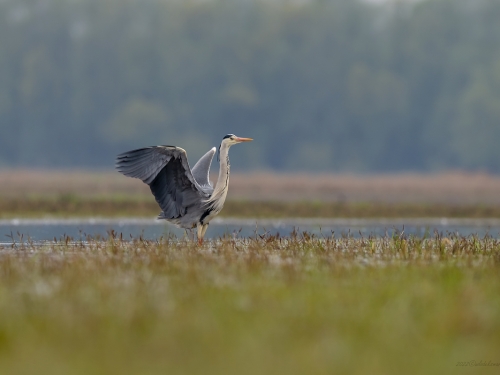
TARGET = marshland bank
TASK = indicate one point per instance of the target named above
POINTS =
(25, 193)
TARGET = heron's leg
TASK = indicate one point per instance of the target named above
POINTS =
(200, 233)
(205, 227)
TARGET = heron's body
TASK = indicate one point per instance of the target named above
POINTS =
(186, 196)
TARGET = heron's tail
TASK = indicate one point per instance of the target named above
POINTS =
(161, 216)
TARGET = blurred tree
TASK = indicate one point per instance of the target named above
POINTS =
(477, 127)
(137, 121)
(342, 85)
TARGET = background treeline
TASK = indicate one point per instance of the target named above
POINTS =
(339, 85)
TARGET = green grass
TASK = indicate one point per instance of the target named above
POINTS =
(265, 305)
(72, 205)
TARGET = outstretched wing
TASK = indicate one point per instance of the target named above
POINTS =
(201, 171)
(166, 170)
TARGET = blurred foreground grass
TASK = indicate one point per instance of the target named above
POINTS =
(70, 205)
(264, 305)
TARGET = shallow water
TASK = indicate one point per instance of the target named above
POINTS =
(39, 230)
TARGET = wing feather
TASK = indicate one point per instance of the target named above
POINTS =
(144, 163)
(201, 170)
(166, 170)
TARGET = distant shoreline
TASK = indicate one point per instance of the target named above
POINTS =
(455, 188)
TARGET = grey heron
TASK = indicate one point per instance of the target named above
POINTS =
(186, 196)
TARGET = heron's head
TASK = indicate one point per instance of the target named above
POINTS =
(230, 140)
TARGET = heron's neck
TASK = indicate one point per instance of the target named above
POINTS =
(223, 180)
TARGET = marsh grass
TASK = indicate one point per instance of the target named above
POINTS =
(32, 193)
(451, 188)
(259, 305)
(73, 205)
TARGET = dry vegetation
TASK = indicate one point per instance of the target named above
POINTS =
(448, 188)
(264, 305)
(69, 206)
(67, 194)
(455, 188)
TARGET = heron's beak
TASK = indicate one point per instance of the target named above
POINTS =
(244, 139)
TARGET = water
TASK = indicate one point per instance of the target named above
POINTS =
(39, 230)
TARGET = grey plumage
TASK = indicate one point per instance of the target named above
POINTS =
(201, 171)
(185, 196)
